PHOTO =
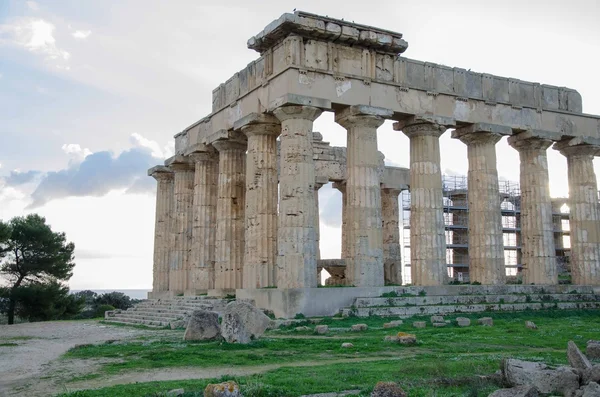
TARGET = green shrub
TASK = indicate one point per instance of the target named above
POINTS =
(102, 309)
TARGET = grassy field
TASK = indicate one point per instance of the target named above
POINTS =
(447, 361)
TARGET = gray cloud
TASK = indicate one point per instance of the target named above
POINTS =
(16, 178)
(330, 206)
(96, 175)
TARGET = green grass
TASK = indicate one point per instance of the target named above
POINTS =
(8, 344)
(444, 359)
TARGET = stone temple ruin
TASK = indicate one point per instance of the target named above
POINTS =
(237, 206)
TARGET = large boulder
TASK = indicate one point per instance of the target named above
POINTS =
(576, 357)
(243, 322)
(563, 380)
(592, 389)
(388, 389)
(225, 389)
(519, 391)
(591, 375)
(592, 349)
(203, 325)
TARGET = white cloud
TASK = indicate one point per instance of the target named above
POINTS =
(158, 152)
(76, 152)
(35, 35)
(82, 34)
(33, 6)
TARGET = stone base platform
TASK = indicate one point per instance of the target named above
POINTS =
(410, 301)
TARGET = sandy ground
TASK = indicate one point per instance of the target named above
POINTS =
(33, 367)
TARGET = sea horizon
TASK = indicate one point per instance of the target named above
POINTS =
(132, 293)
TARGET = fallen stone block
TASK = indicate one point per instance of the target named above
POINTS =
(519, 391)
(530, 325)
(592, 389)
(439, 325)
(519, 373)
(437, 319)
(321, 329)
(359, 327)
(203, 325)
(391, 338)
(406, 339)
(225, 389)
(392, 324)
(591, 375)
(419, 324)
(576, 357)
(388, 389)
(347, 345)
(243, 322)
(463, 321)
(302, 328)
(592, 350)
(486, 321)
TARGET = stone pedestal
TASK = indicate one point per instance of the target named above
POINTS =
(486, 242)
(427, 236)
(296, 239)
(261, 201)
(537, 236)
(179, 258)
(162, 228)
(364, 263)
(202, 277)
(584, 214)
(230, 223)
(392, 258)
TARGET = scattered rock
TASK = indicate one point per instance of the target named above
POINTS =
(203, 325)
(407, 339)
(519, 391)
(530, 325)
(225, 389)
(591, 375)
(392, 324)
(243, 322)
(315, 320)
(391, 338)
(592, 349)
(439, 325)
(486, 321)
(592, 389)
(576, 357)
(463, 321)
(519, 373)
(347, 345)
(334, 394)
(302, 328)
(388, 389)
(359, 327)
(321, 329)
(175, 393)
(419, 324)
(437, 319)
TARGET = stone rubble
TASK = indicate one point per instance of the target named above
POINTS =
(243, 322)
(203, 325)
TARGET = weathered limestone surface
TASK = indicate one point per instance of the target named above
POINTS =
(261, 200)
(584, 214)
(427, 238)
(392, 260)
(364, 263)
(537, 234)
(230, 214)
(202, 277)
(486, 243)
(183, 194)
(162, 227)
(296, 245)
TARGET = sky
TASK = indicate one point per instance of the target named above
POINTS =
(92, 92)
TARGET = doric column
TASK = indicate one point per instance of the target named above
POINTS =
(427, 235)
(486, 241)
(584, 214)
(261, 200)
(183, 189)
(202, 275)
(162, 227)
(341, 186)
(230, 224)
(537, 236)
(364, 263)
(318, 185)
(296, 239)
(392, 258)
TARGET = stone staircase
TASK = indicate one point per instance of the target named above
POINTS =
(413, 301)
(165, 312)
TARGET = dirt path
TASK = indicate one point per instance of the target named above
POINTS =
(29, 353)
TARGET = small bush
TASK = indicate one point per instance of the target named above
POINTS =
(103, 309)
(391, 294)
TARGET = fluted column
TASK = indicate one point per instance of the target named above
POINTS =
(364, 263)
(206, 175)
(182, 223)
(230, 223)
(584, 214)
(392, 258)
(162, 227)
(261, 201)
(486, 241)
(537, 235)
(296, 240)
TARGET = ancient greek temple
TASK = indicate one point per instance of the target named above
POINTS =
(237, 206)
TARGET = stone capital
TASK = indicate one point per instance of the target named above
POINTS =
(160, 172)
(224, 135)
(424, 125)
(226, 145)
(320, 181)
(299, 100)
(180, 163)
(362, 116)
(481, 133)
(392, 190)
(529, 143)
(297, 112)
(258, 124)
(578, 147)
